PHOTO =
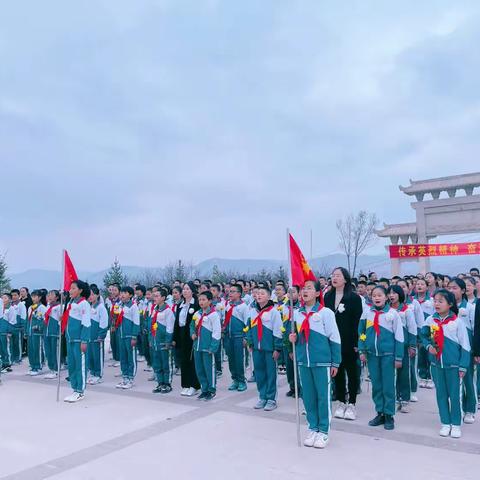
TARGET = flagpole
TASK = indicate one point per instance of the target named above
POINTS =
(59, 345)
(292, 330)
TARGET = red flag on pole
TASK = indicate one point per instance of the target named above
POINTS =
(69, 273)
(299, 267)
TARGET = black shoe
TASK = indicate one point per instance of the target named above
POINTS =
(377, 421)
(210, 396)
(67, 379)
(7, 369)
(389, 422)
(219, 373)
(202, 396)
(290, 393)
(166, 389)
(158, 389)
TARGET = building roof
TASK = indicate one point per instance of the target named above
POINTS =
(397, 229)
(435, 186)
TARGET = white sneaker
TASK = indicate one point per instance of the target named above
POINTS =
(120, 384)
(34, 374)
(445, 431)
(192, 392)
(455, 432)
(321, 440)
(29, 372)
(469, 418)
(74, 397)
(91, 381)
(404, 408)
(184, 392)
(128, 385)
(413, 398)
(430, 384)
(51, 375)
(311, 437)
(140, 359)
(350, 412)
(422, 383)
(340, 411)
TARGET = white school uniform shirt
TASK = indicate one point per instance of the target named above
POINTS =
(10, 315)
(184, 308)
(20, 310)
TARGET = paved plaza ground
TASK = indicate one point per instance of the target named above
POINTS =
(115, 434)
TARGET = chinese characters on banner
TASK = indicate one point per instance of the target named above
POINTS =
(434, 250)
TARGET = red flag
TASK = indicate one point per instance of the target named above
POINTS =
(69, 273)
(301, 271)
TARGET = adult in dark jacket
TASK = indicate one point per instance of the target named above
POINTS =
(348, 308)
(182, 339)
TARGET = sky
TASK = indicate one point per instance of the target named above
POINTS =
(158, 130)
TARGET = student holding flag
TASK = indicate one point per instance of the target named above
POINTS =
(76, 323)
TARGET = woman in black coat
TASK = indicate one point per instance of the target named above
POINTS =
(348, 309)
(183, 340)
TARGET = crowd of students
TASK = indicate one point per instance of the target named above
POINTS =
(400, 334)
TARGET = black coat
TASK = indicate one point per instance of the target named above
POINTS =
(476, 331)
(181, 335)
(347, 321)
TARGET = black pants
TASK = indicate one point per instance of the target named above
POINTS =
(348, 367)
(187, 365)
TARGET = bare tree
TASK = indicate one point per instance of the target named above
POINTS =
(356, 233)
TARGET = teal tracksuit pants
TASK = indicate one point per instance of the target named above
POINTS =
(206, 371)
(236, 358)
(382, 376)
(447, 388)
(316, 390)
(77, 367)
(265, 374)
(469, 390)
(5, 360)
(414, 373)
(16, 344)
(96, 358)
(51, 353)
(404, 376)
(35, 351)
(128, 359)
(115, 344)
(162, 365)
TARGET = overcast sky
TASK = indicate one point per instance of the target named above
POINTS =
(156, 130)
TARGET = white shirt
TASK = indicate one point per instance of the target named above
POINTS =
(185, 307)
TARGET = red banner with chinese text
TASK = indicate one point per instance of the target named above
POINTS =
(434, 250)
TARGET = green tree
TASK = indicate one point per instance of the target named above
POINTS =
(180, 273)
(4, 280)
(281, 274)
(115, 275)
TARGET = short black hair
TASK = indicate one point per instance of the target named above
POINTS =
(141, 288)
(15, 290)
(399, 291)
(207, 293)
(128, 290)
(238, 287)
(384, 280)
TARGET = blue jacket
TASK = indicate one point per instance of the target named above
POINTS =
(271, 328)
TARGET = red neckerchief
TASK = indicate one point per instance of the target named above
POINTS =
(198, 326)
(119, 320)
(48, 313)
(376, 320)
(30, 315)
(305, 328)
(259, 324)
(439, 335)
(66, 314)
(154, 319)
(229, 314)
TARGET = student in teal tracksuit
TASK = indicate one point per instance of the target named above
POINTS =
(319, 356)
(51, 332)
(466, 313)
(34, 330)
(381, 346)
(236, 319)
(265, 341)
(127, 326)
(161, 328)
(396, 297)
(287, 346)
(18, 329)
(7, 318)
(98, 332)
(77, 334)
(206, 332)
(445, 337)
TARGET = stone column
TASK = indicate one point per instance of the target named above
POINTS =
(423, 262)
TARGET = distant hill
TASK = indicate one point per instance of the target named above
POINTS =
(37, 278)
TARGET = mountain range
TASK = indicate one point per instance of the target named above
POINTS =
(37, 278)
